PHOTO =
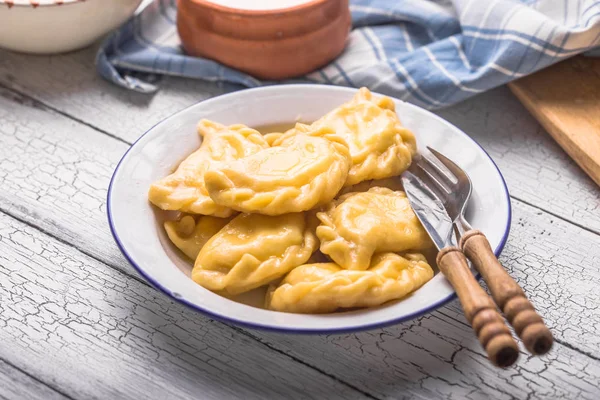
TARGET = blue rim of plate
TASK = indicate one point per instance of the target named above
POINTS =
(228, 320)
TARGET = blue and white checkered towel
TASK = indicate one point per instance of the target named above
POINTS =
(429, 52)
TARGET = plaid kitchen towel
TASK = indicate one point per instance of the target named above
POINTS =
(429, 52)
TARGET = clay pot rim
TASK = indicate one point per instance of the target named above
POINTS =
(256, 13)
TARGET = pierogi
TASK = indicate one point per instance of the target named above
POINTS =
(272, 137)
(326, 287)
(358, 225)
(393, 183)
(254, 249)
(189, 234)
(184, 190)
(296, 174)
(323, 221)
(379, 145)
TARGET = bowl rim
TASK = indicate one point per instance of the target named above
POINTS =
(255, 13)
(271, 328)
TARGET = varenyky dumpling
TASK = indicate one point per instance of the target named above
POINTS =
(298, 173)
(272, 137)
(254, 249)
(323, 288)
(358, 225)
(189, 234)
(393, 183)
(379, 145)
(184, 190)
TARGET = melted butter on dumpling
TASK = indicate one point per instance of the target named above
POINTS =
(379, 145)
(298, 173)
(252, 250)
(358, 225)
(184, 190)
(190, 234)
(323, 288)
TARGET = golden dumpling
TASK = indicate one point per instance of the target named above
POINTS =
(379, 145)
(323, 288)
(296, 174)
(190, 234)
(393, 183)
(358, 225)
(254, 249)
(184, 190)
(272, 137)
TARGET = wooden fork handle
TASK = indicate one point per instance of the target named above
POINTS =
(507, 293)
(480, 310)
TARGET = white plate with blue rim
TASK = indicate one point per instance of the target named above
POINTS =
(137, 226)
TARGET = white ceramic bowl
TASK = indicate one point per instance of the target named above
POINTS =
(137, 229)
(57, 26)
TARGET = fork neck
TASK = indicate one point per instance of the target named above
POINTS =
(462, 225)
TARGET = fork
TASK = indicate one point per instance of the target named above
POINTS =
(452, 184)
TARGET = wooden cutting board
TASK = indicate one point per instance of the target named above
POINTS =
(565, 99)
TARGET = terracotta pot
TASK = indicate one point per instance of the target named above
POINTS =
(268, 44)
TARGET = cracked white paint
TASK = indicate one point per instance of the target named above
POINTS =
(536, 169)
(92, 332)
(65, 315)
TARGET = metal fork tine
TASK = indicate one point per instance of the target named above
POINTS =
(434, 185)
(436, 175)
(441, 189)
(434, 165)
(451, 165)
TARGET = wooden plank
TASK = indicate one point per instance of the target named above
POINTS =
(545, 254)
(435, 356)
(545, 257)
(75, 191)
(69, 83)
(565, 98)
(15, 384)
(536, 169)
(95, 333)
(59, 167)
(536, 172)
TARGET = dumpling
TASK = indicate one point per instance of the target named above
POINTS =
(298, 173)
(358, 225)
(254, 249)
(379, 145)
(393, 183)
(190, 234)
(272, 137)
(184, 190)
(323, 288)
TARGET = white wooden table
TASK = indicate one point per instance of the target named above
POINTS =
(77, 322)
